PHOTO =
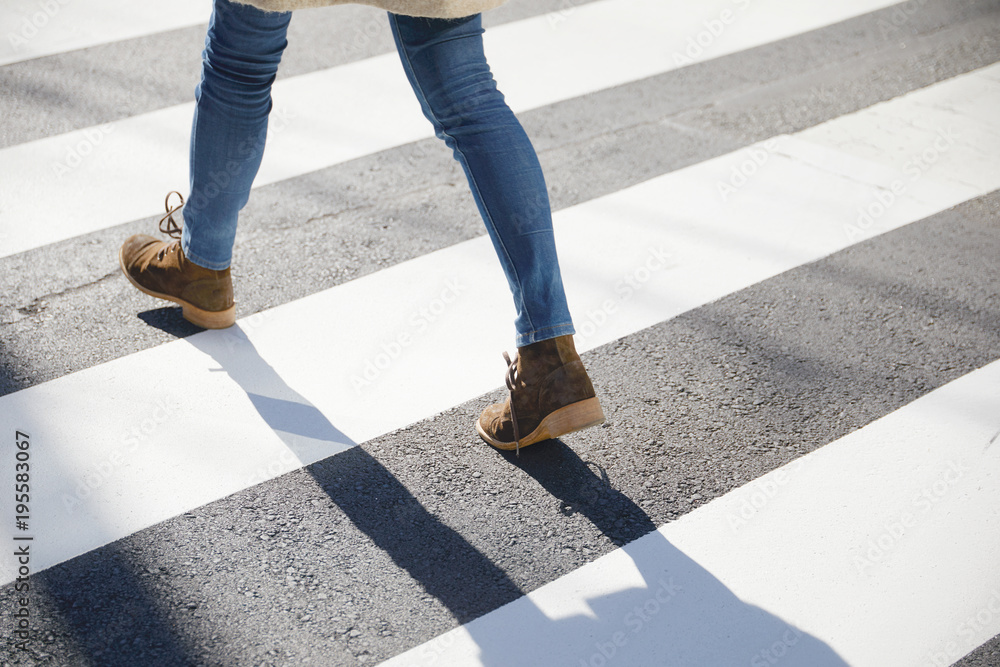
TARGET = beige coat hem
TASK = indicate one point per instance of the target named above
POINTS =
(443, 9)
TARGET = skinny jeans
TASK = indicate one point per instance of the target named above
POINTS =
(443, 60)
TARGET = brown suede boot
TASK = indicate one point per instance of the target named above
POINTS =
(550, 395)
(160, 269)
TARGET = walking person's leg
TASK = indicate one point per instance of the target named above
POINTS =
(551, 393)
(242, 51)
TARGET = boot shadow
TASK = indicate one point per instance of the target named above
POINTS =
(369, 494)
(673, 612)
(169, 320)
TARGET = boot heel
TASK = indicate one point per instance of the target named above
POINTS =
(208, 319)
(573, 417)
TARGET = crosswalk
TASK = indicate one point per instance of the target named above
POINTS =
(919, 481)
(865, 535)
(37, 29)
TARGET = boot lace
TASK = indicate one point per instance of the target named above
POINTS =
(511, 380)
(168, 225)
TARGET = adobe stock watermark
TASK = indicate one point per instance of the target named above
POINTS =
(980, 626)
(914, 169)
(101, 471)
(85, 142)
(777, 650)
(901, 15)
(657, 259)
(239, 336)
(760, 493)
(756, 157)
(280, 464)
(367, 35)
(432, 651)
(566, 9)
(279, 120)
(248, 151)
(879, 547)
(416, 325)
(634, 622)
(32, 24)
(714, 28)
(80, 148)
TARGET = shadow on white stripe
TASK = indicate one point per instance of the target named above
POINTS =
(135, 441)
(878, 550)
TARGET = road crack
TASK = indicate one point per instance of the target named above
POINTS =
(40, 304)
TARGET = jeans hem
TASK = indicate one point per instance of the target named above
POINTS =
(538, 335)
(195, 258)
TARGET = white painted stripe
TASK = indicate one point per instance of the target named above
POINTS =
(36, 28)
(135, 441)
(879, 549)
(63, 186)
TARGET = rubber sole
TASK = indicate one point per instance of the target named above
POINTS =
(573, 417)
(206, 319)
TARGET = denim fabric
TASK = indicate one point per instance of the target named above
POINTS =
(232, 101)
(445, 64)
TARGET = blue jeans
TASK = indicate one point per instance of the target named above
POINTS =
(446, 66)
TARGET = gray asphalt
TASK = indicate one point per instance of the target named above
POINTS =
(359, 557)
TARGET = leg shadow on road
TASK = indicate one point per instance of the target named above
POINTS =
(103, 602)
(671, 611)
(651, 603)
(666, 609)
(584, 488)
(304, 429)
(437, 557)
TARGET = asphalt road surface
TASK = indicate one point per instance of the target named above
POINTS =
(778, 223)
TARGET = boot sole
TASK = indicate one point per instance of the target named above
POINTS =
(206, 319)
(573, 417)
